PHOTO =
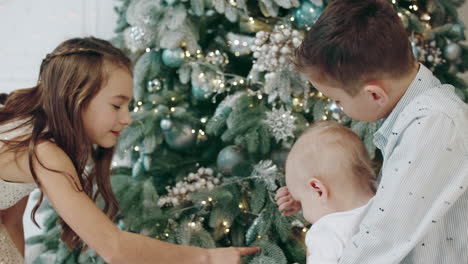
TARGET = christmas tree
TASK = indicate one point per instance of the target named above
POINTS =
(217, 106)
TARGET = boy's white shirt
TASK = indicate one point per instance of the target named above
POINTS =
(419, 213)
(327, 237)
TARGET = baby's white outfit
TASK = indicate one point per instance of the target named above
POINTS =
(327, 237)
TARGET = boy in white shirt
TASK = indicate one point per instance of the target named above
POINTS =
(328, 173)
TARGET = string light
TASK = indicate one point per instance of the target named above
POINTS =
(136, 148)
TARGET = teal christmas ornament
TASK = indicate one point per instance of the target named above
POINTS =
(165, 124)
(307, 13)
(181, 137)
(199, 93)
(173, 57)
(229, 157)
(458, 31)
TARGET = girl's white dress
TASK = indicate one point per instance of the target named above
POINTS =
(10, 194)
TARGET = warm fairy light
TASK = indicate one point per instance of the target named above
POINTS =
(259, 97)
(166, 234)
(135, 109)
(194, 131)
(236, 42)
(203, 202)
(251, 20)
(425, 17)
(201, 132)
(241, 81)
(173, 99)
(148, 49)
(227, 230)
(172, 109)
(139, 103)
(241, 206)
(136, 148)
(192, 224)
(304, 229)
(225, 223)
(203, 120)
(210, 199)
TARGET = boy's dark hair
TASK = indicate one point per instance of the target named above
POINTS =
(355, 41)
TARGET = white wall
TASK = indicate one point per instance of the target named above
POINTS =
(32, 28)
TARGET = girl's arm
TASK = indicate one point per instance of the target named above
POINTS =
(12, 219)
(100, 233)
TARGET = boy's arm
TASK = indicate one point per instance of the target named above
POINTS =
(424, 175)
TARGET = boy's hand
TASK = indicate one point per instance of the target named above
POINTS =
(286, 204)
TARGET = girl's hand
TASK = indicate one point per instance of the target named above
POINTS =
(286, 204)
(230, 255)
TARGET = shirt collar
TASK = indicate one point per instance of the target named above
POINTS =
(424, 80)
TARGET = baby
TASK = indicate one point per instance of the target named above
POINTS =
(329, 175)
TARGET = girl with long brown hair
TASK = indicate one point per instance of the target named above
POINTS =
(48, 135)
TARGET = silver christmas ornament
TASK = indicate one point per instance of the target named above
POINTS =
(452, 51)
(153, 86)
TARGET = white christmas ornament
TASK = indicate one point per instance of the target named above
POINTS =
(274, 51)
(281, 123)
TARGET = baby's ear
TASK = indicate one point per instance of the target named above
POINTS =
(319, 188)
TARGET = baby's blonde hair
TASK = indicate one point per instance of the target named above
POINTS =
(335, 154)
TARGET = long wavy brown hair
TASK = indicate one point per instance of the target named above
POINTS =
(69, 78)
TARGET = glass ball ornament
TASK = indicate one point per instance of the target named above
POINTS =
(153, 86)
(165, 124)
(199, 93)
(181, 137)
(229, 157)
(173, 57)
(306, 14)
(335, 112)
(452, 51)
(138, 37)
